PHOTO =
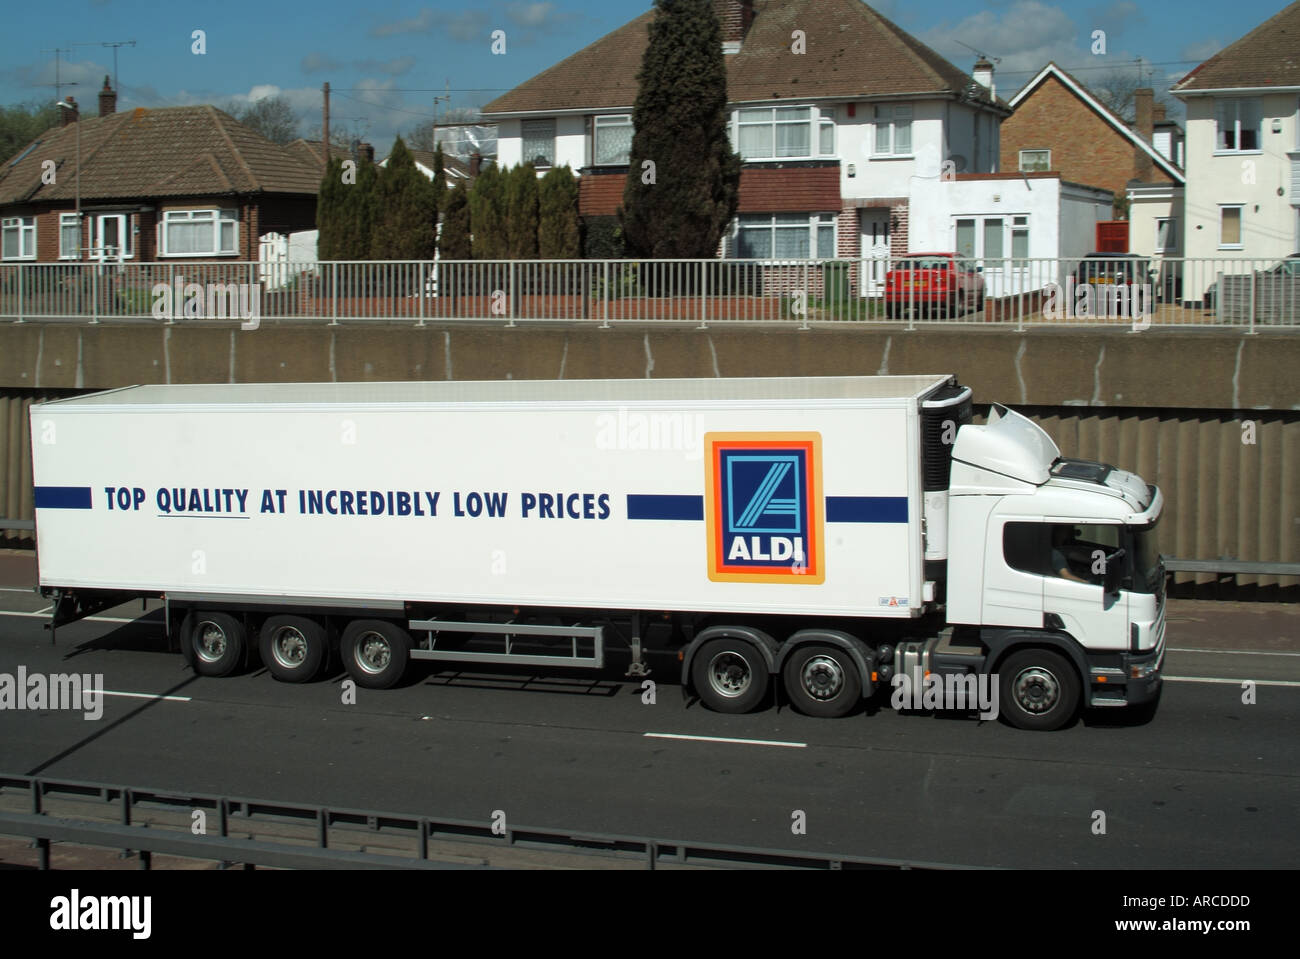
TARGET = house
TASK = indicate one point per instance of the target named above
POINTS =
(455, 169)
(1243, 148)
(1058, 125)
(835, 141)
(177, 183)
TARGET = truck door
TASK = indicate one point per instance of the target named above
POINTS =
(1073, 587)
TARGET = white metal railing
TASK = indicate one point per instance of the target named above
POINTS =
(1151, 292)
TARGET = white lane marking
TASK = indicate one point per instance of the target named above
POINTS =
(170, 699)
(1232, 682)
(15, 589)
(41, 612)
(725, 739)
(87, 619)
(1232, 652)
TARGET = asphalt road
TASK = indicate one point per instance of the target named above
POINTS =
(1209, 781)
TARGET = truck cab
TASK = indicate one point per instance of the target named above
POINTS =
(1056, 554)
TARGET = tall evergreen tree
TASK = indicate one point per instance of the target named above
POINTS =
(487, 215)
(521, 212)
(356, 213)
(406, 212)
(683, 185)
(558, 236)
(439, 178)
(329, 210)
(454, 244)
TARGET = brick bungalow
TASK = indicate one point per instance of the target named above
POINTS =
(181, 184)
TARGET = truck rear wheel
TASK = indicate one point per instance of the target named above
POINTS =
(375, 652)
(822, 681)
(729, 675)
(215, 642)
(1039, 689)
(293, 648)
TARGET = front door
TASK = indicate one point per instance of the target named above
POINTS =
(874, 229)
(111, 242)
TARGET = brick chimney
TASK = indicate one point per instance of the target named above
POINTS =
(1158, 111)
(735, 17)
(1144, 127)
(70, 116)
(366, 152)
(107, 100)
(983, 74)
(475, 164)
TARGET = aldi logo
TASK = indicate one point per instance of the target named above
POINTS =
(763, 507)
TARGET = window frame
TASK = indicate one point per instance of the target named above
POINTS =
(892, 124)
(815, 222)
(817, 120)
(1241, 226)
(64, 253)
(1171, 243)
(128, 234)
(1047, 168)
(217, 220)
(26, 229)
(1220, 106)
(524, 137)
(596, 126)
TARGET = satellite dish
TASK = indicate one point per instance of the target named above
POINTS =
(958, 162)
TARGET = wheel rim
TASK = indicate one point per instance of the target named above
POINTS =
(289, 647)
(373, 652)
(729, 674)
(1036, 690)
(212, 642)
(822, 678)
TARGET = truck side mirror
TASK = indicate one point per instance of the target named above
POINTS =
(1114, 571)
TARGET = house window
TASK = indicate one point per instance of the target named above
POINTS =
(69, 241)
(1165, 226)
(784, 236)
(1230, 227)
(613, 144)
(18, 238)
(826, 135)
(893, 129)
(199, 232)
(1020, 238)
(539, 142)
(774, 132)
(1237, 124)
(1035, 161)
(985, 238)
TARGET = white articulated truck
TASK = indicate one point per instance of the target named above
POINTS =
(817, 535)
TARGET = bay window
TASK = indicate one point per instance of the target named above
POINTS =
(199, 232)
(794, 236)
(781, 133)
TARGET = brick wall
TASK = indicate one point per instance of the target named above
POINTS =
(1085, 148)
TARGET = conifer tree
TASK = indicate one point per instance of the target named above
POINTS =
(487, 215)
(558, 236)
(521, 212)
(405, 214)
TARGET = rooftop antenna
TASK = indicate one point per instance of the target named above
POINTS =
(979, 53)
(59, 83)
(109, 43)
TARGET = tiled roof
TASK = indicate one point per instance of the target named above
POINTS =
(601, 194)
(1268, 56)
(852, 51)
(767, 190)
(311, 152)
(172, 151)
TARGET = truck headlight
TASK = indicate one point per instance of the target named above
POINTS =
(1143, 670)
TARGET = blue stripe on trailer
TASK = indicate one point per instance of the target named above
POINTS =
(644, 506)
(866, 509)
(63, 497)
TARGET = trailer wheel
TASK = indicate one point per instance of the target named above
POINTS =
(375, 652)
(729, 675)
(293, 648)
(1039, 689)
(215, 643)
(822, 681)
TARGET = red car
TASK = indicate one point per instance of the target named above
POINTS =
(932, 284)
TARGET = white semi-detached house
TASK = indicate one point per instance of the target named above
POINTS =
(1243, 146)
(837, 142)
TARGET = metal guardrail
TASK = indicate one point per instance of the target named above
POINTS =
(224, 848)
(1230, 566)
(1021, 292)
(23, 524)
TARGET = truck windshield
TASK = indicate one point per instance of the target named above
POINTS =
(1147, 568)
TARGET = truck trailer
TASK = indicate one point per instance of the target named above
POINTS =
(822, 537)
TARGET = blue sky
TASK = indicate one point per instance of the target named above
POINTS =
(386, 60)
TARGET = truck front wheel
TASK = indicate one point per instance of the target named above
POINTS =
(375, 652)
(293, 648)
(215, 643)
(729, 675)
(822, 681)
(1039, 689)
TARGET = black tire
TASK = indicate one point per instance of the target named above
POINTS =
(293, 648)
(822, 681)
(375, 653)
(1039, 689)
(215, 643)
(891, 311)
(730, 675)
